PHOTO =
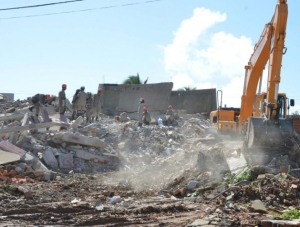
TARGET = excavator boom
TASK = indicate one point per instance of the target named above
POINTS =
(270, 47)
(268, 134)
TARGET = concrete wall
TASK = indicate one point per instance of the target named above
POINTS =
(118, 98)
(194, 101)
(9, 96)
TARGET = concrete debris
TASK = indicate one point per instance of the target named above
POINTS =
(258, 205)
(50, 159)
(183, 174)
(10, 117)
(192, 185)
(83, 140)
(7, 157)
(65, 161)
(7, 146)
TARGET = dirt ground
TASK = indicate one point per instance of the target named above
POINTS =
(53, 204)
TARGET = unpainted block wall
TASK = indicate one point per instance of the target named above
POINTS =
(194, 101)
(118, 98)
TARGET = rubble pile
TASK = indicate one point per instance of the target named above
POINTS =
(153, 156)
(158, 172)
(52, 144)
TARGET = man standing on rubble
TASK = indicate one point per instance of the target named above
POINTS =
(146, 116)
(62, 102)
(97, 104)
(81, 101)
(75, 104)
(140, 111)
(89, 107)
(37, 100)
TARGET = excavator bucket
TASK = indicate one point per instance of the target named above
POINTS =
(267, 139)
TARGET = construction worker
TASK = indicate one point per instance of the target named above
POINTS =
(81, 101)
(89, 107)
(97, 104)
(75, 104)
(62, 102)
(140, 111)
(37, 100)
(122, 118)
(169, 118)
(146, 116)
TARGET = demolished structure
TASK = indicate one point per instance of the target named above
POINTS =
(110, 167)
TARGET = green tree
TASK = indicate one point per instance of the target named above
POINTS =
(134, 80)
(188, 88)
(296, 113)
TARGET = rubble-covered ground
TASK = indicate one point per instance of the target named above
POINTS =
(61, 173)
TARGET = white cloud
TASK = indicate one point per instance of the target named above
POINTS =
(199, 58)
(232, 92)
(182, 80)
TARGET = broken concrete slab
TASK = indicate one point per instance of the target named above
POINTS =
(192, 184)
(50, 159)
(84, 140)
(7, 146)
(13, 138)
(9, 117)
(65, 161)
(258, 206)
(10, 110)
(91, 157)
(199, 222)
(25, 119)
(77, 122)
(33, 127)
(36, 164)
(7, 157)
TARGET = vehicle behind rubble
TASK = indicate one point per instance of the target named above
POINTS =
(262, 121)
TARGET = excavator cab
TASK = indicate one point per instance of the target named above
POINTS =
(282, 110)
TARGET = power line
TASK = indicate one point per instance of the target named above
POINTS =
(83, 10)
(47, 4)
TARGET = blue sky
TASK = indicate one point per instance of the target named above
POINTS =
(203, 43)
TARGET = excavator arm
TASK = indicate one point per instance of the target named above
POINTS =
(270, 47)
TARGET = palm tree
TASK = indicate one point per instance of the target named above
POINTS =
(188, 88)
(134, 80)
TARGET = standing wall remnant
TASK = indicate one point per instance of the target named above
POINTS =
(194, 101)
(118, 98)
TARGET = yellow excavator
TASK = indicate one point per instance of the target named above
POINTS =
(262, 117)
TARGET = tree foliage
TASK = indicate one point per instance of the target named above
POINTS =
(135, 80)
(187, 88)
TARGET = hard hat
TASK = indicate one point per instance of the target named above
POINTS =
(117, 118)
(47, 97)
(82, 88)
(144, 109)
(100, 90)
(170, 107)
(64, 86)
